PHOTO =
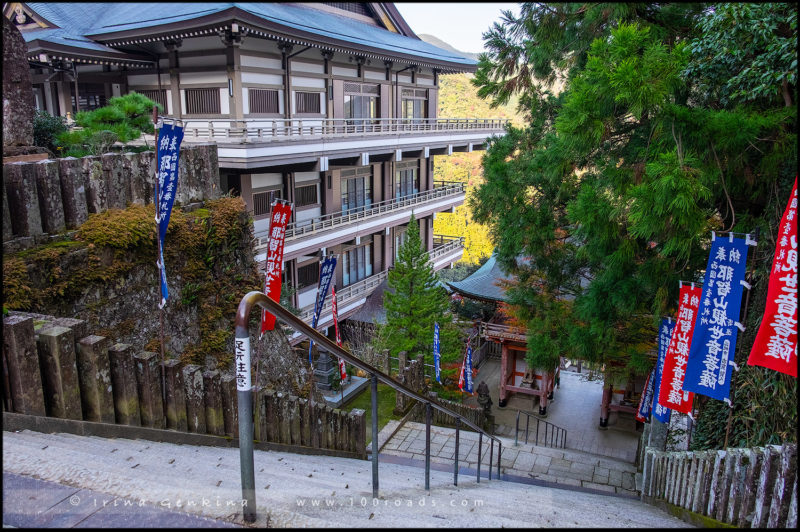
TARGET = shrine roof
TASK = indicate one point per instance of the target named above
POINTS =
(484, 282)
(82, 25)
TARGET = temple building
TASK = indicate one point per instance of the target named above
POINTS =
(331, 106)
(486, 284)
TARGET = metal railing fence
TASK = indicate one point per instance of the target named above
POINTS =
(245, 400)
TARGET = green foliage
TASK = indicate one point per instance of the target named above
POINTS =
(46, 128)
(611, 190)
(414, 302)
(124, 119)
(746, 52)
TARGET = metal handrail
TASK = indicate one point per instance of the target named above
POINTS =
(334, 219)
(245, 397)
(266, 129)
(359, 287)
(556, 433)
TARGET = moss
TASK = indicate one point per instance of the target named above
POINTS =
(203, 249)
(17, 293)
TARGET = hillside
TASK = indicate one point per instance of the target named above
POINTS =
(436, 41)
(458, 98)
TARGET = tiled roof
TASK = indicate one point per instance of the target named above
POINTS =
(77, 20)
(483, 284)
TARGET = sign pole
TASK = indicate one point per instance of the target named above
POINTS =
(244, 398)
(744, 320)
(160, 254)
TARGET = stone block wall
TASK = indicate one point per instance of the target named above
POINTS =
(752, 488)
(45, 198)
(55, 367)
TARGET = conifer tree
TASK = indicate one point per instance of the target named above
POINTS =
(415, 301)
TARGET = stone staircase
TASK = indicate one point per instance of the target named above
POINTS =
(294, 490)
(521, 463)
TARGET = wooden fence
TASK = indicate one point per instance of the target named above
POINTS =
(743, 487)
(53, 367)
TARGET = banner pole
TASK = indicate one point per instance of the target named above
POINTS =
(738, 347)
(160, 255)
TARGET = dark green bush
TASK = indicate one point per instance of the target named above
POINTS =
(46, 128)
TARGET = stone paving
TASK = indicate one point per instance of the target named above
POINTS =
(596, 459)
(575, 407)
(544, 464)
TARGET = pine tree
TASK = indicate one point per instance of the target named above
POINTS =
(414, 301)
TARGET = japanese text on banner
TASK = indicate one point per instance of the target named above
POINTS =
(326, 269)
(708, 370)
(169, 145)
(436, 352)
(646, 399)
(281, 213)
(775, 346)
(661, 412)
(671, 392)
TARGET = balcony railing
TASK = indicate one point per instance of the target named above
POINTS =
(271, 129)
(341, 218)
(367, 286)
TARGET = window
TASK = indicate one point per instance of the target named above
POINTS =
(307, 102)
(406, 179)
(308, 275)
(356, 191)
(305, 195)
(360, 102)
(202, 101)
(263, 101)
(356, 264)
(414, 103)
(157, 95)
(262, 202)
(91, 96)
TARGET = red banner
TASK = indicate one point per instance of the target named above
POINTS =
(281, 212)
(671, 393)
(775, 346)
(335, 312)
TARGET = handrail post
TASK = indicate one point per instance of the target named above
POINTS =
(527, 425)
(537, 431)
(427, 446)
(455, 467)
(480, 444)
(516, 431)
(244, 398)
(499, 453)
(374, 390)
(491, 456)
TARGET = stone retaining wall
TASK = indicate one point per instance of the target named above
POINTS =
(45, 198)
(55, 367)
(743, 487)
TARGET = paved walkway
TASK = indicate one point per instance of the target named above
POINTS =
(33, 503)
(292, 490)
(575, 407)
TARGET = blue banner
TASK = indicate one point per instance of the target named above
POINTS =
(708, 370)
(326, 269)
(168, 151)
(468, 369)
(646, 400)
(661, 412)
(436, 352)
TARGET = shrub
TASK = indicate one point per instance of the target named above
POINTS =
(46, 128)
